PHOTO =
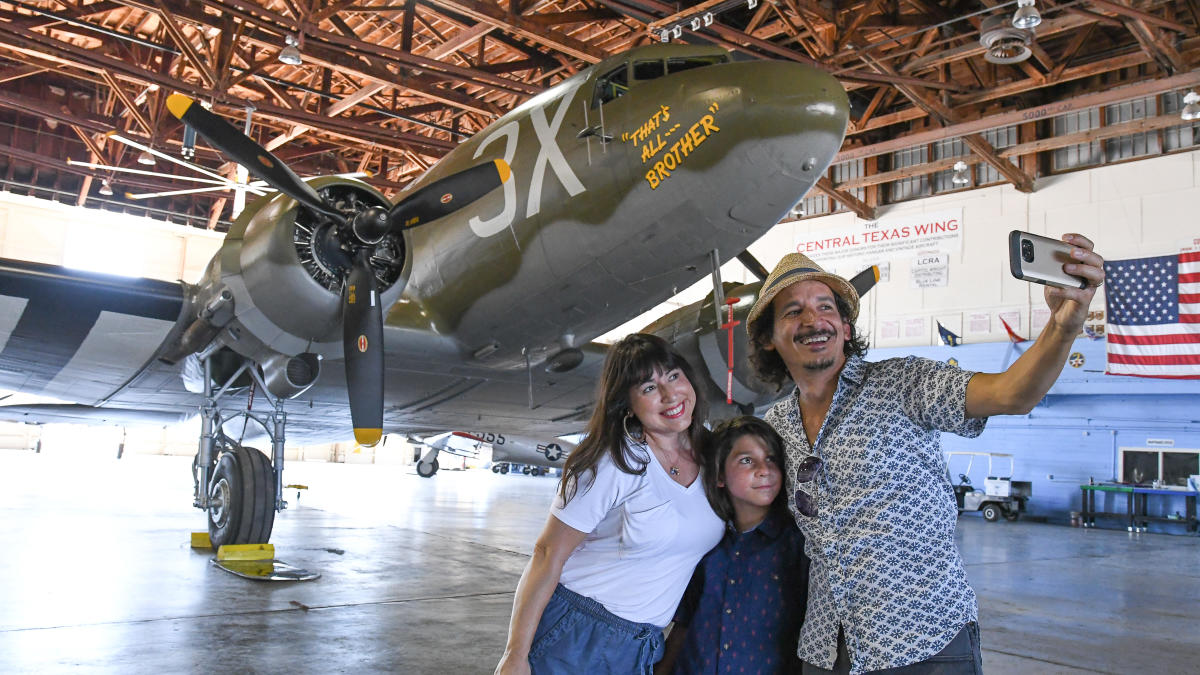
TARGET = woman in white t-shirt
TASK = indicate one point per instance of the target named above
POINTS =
(627, 528)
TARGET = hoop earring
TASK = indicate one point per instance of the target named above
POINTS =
(625, 426)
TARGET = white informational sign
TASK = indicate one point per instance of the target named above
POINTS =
(1039, 318)
(852, 247)
(915, 328)
(930, 269)
(889, 329)
(1160, 442)
(979, 323)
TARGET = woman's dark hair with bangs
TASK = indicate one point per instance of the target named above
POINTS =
(720, 446)
(630, 362)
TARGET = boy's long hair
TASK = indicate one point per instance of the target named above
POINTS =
(720, 446)
(630, 362)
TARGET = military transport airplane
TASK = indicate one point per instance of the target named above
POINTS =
(483, 285)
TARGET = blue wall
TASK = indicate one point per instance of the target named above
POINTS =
(1076, 431)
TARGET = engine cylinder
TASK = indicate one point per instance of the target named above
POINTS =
(287, 296)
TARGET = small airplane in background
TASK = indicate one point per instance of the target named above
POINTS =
(537, 455)
(470, 303)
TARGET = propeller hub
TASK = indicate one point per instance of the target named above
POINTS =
(371, 225)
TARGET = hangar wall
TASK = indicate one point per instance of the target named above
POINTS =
(48, 232)
(1130, 210)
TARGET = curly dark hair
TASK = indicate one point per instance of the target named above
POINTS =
(717, 451)
(630, 362)
(767, 362)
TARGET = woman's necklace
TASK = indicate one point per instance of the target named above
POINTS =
(674, 467)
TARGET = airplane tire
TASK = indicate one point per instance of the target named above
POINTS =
(495, 468)
(427, 470)
(991, 512)
(504, 469)
(525, 470)
(258, 494)
(241, 493)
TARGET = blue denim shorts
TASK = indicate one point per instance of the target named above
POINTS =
(577, 634)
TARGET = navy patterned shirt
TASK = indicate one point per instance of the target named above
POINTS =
(745, 604)
(884, 562)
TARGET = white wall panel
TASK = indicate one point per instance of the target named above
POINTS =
(1134, 209)
(40, 231)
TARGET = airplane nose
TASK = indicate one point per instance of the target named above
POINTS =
(800, 115)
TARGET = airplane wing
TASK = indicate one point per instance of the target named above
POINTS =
(94, 340)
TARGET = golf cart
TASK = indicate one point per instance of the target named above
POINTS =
(1000, 496)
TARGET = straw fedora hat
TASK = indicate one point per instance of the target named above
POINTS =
(797, 267)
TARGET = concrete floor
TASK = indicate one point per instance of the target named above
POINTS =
(418, 577)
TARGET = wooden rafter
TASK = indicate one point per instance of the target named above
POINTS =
(408, 80)
(860, 208)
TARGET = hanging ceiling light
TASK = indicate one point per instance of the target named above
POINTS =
(1004, 43)
(291, 53)
(105, 188)
(960, 173)
(145, 158)
(1191, 107)
(1026, 16)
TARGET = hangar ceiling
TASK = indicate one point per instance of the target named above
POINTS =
(389, 86)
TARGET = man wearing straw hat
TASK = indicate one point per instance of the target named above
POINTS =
(866, 480)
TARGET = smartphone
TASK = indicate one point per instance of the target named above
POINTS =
(1039, 259)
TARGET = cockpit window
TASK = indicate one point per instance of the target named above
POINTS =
(682, 64)
(648, 70)
(612, 85)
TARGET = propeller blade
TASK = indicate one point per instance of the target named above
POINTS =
(442, 197)
(362, 341)
(865, 280)
(240, 148)
(756, 268)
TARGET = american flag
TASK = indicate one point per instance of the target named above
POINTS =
(1154, 316)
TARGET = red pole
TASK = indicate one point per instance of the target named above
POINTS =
(728, 326)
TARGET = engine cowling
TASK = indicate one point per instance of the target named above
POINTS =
(696, 334)
(285, 284)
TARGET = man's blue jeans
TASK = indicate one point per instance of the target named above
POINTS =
(960, 657)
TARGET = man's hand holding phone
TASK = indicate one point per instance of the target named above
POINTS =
(1070, 270)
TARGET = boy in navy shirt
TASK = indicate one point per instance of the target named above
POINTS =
(743, 609)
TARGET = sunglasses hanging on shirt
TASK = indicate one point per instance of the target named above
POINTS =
(806, 471)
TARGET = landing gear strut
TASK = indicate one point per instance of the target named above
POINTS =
(428, 464)
(239, 488)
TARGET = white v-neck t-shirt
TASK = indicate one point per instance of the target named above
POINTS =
(645, 535)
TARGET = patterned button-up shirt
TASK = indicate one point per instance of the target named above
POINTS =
(884, 563)
(745, 604)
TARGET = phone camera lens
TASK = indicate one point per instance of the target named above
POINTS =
(1027, 251)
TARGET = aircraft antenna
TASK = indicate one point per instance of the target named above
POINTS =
(603, 131)
(587, 125)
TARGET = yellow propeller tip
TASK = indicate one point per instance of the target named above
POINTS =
(368, 174)
(504, 169)
(875, 269)
(178, 104)
(367, 437)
